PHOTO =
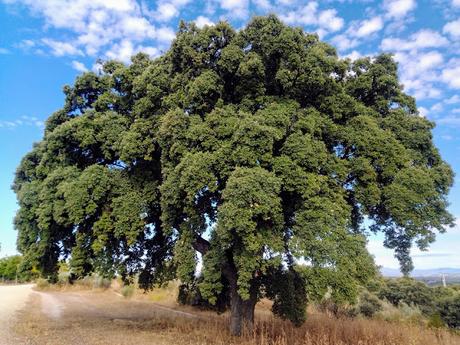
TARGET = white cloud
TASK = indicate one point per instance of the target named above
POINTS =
(421, 39)
(264, 5)
(26, 44)
(368, 27)
(449, 120)
(137, 28)
(428, 60)
(124, 50)
(22, 121)
(326, 21)
(344, 42)
(420, 72)
(354, 55)
(165, 35)
(452, 28)
(235, 8)
(357, 32)
(166, 11)
(453, 100)
(423, 112)
(93, 27)
(456, 3)
(151, 51)
(202, 21)
(59, 48)
(451, 74)
(121, 51)
(305, 15)
(80, 67)
(4, 51)
(329, 20)
(397, 9)
(437, 107)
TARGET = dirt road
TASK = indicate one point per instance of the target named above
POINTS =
(12, 299)
(96, 318)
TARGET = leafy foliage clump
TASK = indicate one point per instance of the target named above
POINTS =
(369, 304)
(410, 292)
(13, 268)
(449, 310)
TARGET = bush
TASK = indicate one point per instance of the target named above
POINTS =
(127, 291)
(330, 307)
(63, 278)
(42, 283)
(435, 321)
(94, 282)
(101, 282)
(409, 292)
(449, 310)
(403, 313)
(368, 304)
(412, 313)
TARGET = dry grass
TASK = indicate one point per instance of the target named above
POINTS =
(101, 318)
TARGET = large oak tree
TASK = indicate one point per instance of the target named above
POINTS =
(260, 150)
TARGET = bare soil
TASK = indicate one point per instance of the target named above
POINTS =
(12, 299)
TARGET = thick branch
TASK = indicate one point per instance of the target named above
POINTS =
(201, 245)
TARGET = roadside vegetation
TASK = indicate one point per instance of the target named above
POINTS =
(12, 270)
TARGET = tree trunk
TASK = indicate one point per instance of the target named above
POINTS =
(241, 311)
(236, 313)
(248, 312)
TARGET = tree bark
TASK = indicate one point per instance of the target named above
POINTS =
(248, 312)
(241, 311)
(236, 313)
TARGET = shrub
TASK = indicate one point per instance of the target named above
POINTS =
(94, 282)
(330, 307)
(403, 313)
(42, 283)
(409, 292)
(435, 321)
(412, 313)
(368, 304)
(127, 291)
(101, 282)
(449, 310)
(63, 278)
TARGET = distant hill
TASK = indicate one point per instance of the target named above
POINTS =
(448, 271)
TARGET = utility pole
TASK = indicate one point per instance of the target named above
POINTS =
(443, 277)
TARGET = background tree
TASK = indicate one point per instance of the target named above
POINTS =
(260, 151)
(13, 270)
(410, 292)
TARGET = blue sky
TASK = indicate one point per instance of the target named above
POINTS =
(45, 44)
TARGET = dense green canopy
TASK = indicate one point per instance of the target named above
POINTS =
(259, 149)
